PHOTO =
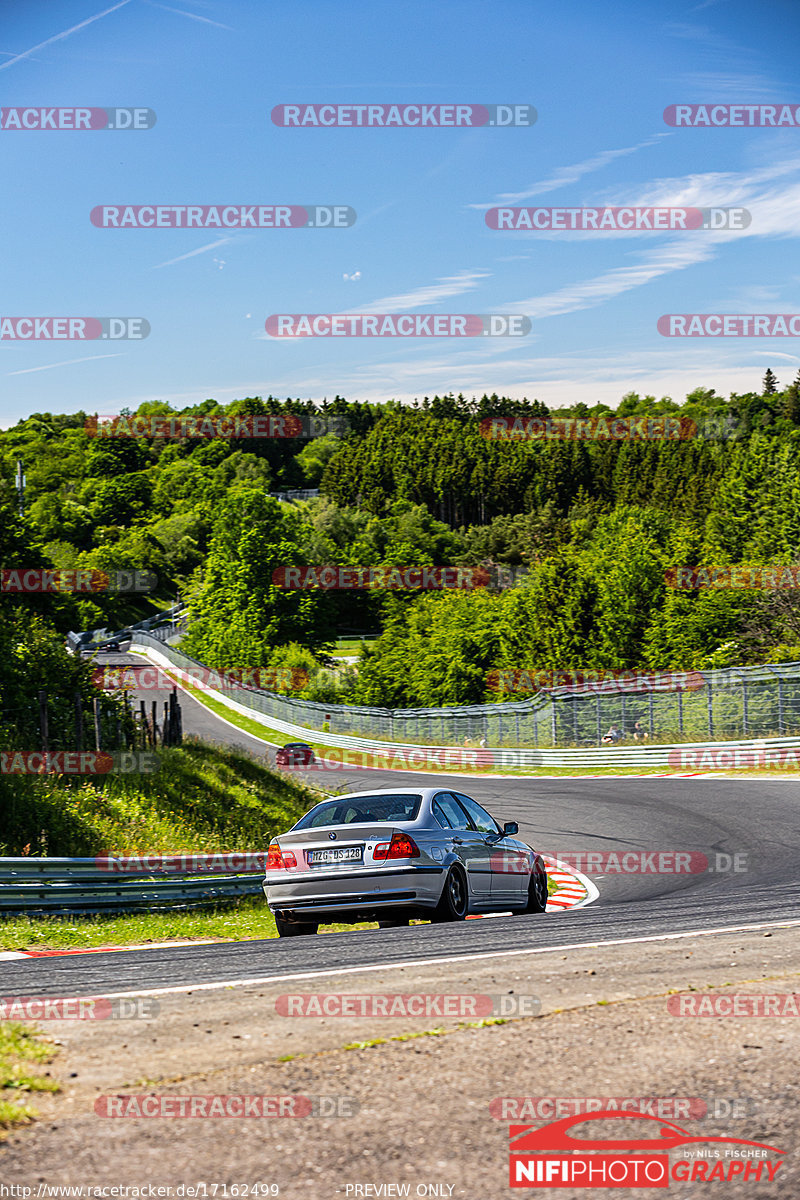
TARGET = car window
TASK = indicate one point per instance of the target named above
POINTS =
(361, 810)
(455, 816)
(479, 816)
(440, 815)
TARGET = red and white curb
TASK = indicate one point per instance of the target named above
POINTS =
(8, 955)
(573, 889)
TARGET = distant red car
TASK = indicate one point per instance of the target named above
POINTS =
(295, 754)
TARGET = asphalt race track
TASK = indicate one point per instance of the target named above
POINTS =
(753, 818)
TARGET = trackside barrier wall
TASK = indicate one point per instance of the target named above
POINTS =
(502, 757)
(78, 885)
(736, 703)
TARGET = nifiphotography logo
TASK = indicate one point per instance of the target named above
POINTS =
(550, 1156)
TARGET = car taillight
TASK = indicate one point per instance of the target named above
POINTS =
(274, 858)
(401, 846)
(280, 860)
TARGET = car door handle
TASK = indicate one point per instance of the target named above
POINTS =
(458, 841)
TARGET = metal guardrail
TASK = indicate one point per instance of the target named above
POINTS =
(747, 702)
(66, 886)
(498, 756)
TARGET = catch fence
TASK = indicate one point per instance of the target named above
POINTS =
(747, 702)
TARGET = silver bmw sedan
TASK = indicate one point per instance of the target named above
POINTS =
(398, 853)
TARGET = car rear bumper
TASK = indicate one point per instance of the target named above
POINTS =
(356, 891)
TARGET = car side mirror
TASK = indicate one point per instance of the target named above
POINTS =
(510, 828)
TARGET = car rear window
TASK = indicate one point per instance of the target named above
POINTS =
(361, 810)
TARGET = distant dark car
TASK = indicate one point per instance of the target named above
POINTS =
(294, 754)
(111, 646)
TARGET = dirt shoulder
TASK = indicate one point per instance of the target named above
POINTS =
(420, 1107)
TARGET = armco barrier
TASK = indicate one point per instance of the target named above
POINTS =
(715, 706)
(78, 885)
(503, 757)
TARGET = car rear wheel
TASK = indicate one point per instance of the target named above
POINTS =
(454, 902)
(294, 928)
(537, 889)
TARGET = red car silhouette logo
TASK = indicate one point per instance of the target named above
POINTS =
(556, 1136)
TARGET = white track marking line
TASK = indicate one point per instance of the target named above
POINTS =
(261, 980)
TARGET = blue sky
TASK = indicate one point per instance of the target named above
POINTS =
(599, 76)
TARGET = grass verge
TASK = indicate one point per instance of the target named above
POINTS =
(21, 1048)
(203, 797)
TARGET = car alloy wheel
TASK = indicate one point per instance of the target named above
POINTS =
(453, 904)
(537, 888)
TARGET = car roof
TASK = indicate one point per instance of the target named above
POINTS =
(425, 792)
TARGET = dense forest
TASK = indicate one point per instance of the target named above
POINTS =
(596, 523)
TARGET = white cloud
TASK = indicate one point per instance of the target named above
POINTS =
(200, 250)
(67, 362)
(443, 289)
(567, 175)
(59, 37)
(588, 293)
(193, 16)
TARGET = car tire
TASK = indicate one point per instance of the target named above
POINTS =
(537, 888)
(454, 902)
(294, 928)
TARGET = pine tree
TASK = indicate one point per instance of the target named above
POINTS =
(770, 384)
(790, 408)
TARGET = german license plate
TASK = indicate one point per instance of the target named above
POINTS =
(335, 854)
